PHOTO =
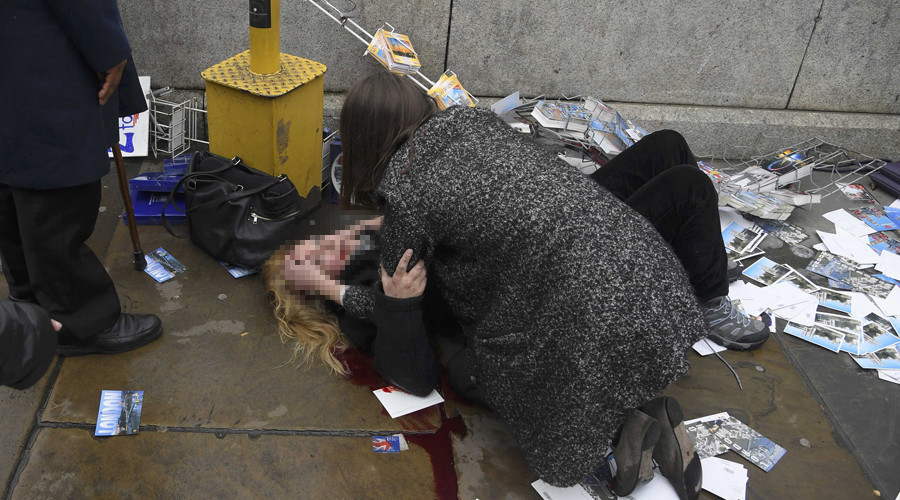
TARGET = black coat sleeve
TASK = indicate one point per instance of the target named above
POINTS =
(27, 344)
(399, 342)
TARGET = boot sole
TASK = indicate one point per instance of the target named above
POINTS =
(679, 474)
(71, 351)
(645, 466)
(738, 346)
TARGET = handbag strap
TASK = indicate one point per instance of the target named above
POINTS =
(240, 193)
(170, 200)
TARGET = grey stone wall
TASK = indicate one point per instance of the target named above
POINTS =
(828, 55)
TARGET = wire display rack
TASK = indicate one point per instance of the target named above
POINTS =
(844, 166)
(344, 19)
(175, 126)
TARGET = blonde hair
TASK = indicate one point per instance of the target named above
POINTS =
(304, 322)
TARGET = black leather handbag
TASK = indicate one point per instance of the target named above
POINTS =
(236, 213)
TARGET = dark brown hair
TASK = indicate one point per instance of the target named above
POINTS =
(380, 112)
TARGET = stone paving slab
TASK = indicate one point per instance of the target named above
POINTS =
(71, 463)
(219, 363)
(776, 403)
(18, 411)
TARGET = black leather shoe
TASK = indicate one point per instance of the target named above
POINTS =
(634, 452)
(130, 332)
(675, 453)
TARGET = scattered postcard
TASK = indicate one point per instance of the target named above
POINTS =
(850, 247)
(874, 217)
(890, 304)
(830, 266)
(748, 443)
(739, 258)
(784, 231)
(705, 347)
(862, 306)
(398, 402)
(766, 271)
(389, 444)
(161, 266)
(881, 241)
(838, 322)
(889, 375)
(821, 336)
(577, 492)
(833, 299)
(120, 413)
(893, 214)
(857, 192)
(705, 443)
(740, 239)
(850, 344)
(848, 223)
(724, 478)
(658, 488)
(803, 313)
(874, 287)
(799, 281)
(238, 271)
(883, 359)
(877, 334)
(889, 264)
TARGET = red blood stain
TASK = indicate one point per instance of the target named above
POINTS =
(439, 447)
(361, 368)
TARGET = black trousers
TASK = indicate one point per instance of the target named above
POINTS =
(45, 258)
(659, 178)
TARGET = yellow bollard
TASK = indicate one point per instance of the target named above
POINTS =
(266, 107)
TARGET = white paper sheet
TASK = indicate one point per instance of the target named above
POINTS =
(727, 215)
(890, 375)
(889, 264)
(850, 247)
(849, 223)
(399, 403)
(724, 478)
(861, 306)
(803, 313)
(705, 347)
(889, 306)
(550, 492)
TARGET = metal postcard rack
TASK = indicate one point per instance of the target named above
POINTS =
(175, 126)
(843, 165)
(344, 19)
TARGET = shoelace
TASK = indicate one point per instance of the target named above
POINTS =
(734, 313)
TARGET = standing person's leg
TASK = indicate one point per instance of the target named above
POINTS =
(652, 155)
(13, 259)
(67, 279)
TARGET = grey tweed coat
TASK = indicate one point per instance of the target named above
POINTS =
(574, 308)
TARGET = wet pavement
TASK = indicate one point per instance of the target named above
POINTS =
(226, 415)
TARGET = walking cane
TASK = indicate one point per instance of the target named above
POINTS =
(139, 261)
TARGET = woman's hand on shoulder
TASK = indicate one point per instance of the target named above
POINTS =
(403, 284)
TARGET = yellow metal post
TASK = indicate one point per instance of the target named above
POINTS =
(266, 107)
(265, 37)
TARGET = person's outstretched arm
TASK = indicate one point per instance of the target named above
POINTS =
(403, 352)
(27, 343)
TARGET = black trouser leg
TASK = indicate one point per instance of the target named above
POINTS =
(63, 273)
(13, 259)
(658, 177)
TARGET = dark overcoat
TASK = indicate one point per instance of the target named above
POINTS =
(574, 308)
(51, 123)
